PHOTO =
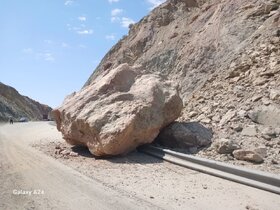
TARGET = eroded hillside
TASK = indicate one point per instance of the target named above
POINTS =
(14, 105)
(188, 41)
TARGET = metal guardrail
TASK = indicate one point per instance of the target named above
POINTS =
(253, 178)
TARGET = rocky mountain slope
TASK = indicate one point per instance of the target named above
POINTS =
(12, 104)
(189, 40)
(224, 56)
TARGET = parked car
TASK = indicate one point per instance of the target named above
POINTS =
(23, 119)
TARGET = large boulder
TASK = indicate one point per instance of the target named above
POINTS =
(183, 135)
(118, 112)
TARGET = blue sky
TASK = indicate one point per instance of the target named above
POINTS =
(49, 48)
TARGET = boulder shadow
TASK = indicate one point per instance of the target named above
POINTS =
(82, 151)
(133, 157)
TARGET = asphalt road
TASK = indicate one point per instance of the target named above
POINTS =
(32, 180)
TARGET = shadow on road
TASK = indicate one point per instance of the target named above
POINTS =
(82, 151)
(130, 158)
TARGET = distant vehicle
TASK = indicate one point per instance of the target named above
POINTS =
(23, 119)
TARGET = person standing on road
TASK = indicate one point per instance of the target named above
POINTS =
(11, 120)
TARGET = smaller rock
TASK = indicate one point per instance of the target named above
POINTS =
(57, 147)
(277, 131)
(73, 154)
(273, 161)
(266, 101)
(227, 117)
(251, 208)
(184, 135)
(247, 155)
(266, 115)
(226, 146)
(269, 144)
(230, 106)
(277, 33)
(239, 90)
(206, 109)
(251, 130)
(274, 94)
(65, 152)
(237, 128)
(269, 131)
(215, 104)
(260, 81)
(59, 150)
(173, 35)
(233, 74)
(256, 98)
(216, 118)
(268, 73)
(193, 114)
(266, 137)
(242, 113)
(205, 120)
(262, 151)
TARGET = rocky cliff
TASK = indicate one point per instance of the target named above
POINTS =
(224, 56)
(13, 104)
(190, 40)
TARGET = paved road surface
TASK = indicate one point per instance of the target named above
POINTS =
(31, 180)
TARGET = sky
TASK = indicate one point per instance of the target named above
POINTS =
(49, 48)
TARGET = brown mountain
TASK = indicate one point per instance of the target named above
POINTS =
(192, 40)
(13, 104)
(224, 56)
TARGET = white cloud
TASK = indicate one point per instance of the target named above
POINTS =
(74, 28)
(113, 1)
(65, 45)
(69, 27)
(82, 18)
(155, 3)
(125, 22)
(116, 12)
(115, 15)
(82, 46)
(47, 41)
(110, 37)
(27, 50)
(82, 29)
(115, 19)
(85, 32)
(46, 56)
(68, 3)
